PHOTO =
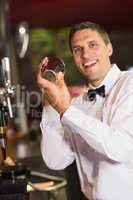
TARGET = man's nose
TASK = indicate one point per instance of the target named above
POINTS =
(86, 52)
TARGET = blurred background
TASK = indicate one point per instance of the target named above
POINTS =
(31, 30)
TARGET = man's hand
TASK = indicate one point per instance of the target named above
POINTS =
(57, 93)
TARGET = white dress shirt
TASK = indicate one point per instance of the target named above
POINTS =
(99, 135)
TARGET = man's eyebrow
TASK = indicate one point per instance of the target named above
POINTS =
(92, 41)
(75, 46)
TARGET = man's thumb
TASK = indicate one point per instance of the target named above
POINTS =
(60, 80)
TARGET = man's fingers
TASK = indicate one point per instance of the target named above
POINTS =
(60, 79)
(41, 67)
(44, 64)
(43, 83)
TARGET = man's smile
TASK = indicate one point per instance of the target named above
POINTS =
(89, 63)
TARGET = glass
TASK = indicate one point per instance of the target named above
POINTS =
(54, 66)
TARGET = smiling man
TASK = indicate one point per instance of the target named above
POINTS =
(91, 54)
(95, 128)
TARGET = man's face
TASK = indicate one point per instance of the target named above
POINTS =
(91, 55)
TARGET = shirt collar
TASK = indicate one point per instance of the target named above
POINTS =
(110, 79)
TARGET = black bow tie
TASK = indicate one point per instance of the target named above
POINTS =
(93, 92)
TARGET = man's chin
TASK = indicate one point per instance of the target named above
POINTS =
(87, 72)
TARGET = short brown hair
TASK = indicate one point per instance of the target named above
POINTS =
(89, 25)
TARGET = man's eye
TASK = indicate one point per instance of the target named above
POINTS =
(93, 45)
(77, 50)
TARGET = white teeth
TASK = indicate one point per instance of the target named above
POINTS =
(90, 63)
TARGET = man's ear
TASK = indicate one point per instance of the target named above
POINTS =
(110, 49)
